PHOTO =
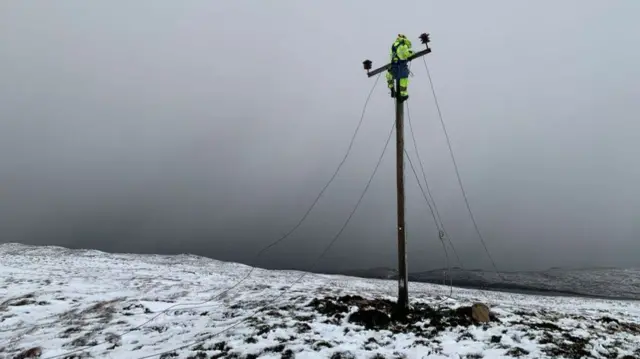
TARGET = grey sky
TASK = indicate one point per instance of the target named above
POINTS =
(210, 126)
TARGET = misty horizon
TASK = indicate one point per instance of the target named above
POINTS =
(210, 128)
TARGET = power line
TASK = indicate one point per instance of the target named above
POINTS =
(422, 190)
(440, 232)
(443, 234)
(446, 254)
(274, 243)
(324, 252)
(455, 165)
(424, 176)
(304, 217)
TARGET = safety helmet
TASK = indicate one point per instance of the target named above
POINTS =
(401, 39)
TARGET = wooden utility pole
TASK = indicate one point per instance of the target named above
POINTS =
(403, 281)
(403, 271)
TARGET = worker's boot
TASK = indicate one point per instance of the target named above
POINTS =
(404, 95)
(393, 92)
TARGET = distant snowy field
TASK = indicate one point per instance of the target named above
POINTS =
(63, 303)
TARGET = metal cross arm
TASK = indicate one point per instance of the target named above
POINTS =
(424, 38)
(387, 66)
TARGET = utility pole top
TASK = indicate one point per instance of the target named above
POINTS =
(403, 271)
(424, 38)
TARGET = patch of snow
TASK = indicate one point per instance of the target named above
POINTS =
(102, 305)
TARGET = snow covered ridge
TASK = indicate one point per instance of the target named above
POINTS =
(607, 283)
(61, 303)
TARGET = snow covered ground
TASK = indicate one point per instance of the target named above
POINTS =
(63, 303)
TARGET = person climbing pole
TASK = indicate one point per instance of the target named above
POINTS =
(399, 70)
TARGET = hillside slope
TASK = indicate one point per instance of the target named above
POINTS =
(64, 303)
(610, 283)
